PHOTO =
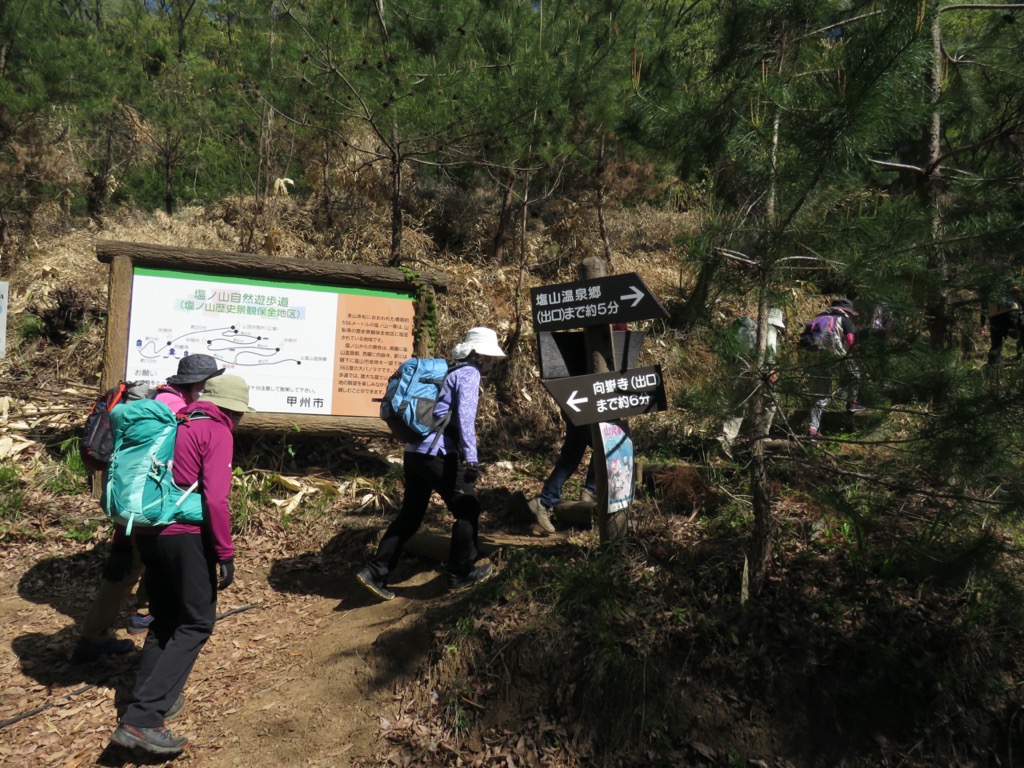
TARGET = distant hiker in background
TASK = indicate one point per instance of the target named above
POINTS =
(186, 565)
(742, 344)
(123, 568)
(830, 336)
(449, 466)
(1004, 318)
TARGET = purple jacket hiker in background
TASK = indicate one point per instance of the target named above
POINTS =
(448, 466)
(123, 568)
(831, 358)
(186, 565)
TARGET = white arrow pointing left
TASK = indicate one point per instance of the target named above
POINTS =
(573, 400)
(635, 294)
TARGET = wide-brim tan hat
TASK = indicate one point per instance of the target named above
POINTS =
(228, 392)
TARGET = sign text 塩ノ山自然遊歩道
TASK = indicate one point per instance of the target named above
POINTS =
(601, 301)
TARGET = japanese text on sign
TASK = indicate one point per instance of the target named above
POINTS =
(554, 312)
(627, 386)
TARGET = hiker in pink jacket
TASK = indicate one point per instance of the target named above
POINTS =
(186, 565)
(123, 568)
(184, 388)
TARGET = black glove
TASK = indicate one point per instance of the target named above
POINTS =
(119, 563)
(227, 573)
(470, 472)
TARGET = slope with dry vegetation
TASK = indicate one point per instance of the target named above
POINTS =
(880, 639)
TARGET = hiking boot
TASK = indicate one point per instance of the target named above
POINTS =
(477, 574)
(854, 407)
(377, 587)
(813, 434)
(541, 515)
(86, 652)
(139, 623)
(587, 496)
(176, 707)
(156, 741)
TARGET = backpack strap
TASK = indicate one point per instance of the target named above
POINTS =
(443, 427)
(184, 419)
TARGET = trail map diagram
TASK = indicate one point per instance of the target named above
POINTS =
(232, 346)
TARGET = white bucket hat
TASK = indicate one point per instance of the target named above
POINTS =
(483, 341)
(775, 318)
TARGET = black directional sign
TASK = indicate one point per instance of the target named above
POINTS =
(609, 396)
(602, 301)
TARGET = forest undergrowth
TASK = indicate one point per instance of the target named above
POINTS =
(887, 633)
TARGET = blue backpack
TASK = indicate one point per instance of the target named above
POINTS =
(411, 396)
(140, 487)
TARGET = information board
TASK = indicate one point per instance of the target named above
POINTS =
(302, 348)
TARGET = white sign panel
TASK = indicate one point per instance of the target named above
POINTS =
(302, 348)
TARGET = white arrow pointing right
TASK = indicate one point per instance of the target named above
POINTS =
(573, 400)
(635, 294)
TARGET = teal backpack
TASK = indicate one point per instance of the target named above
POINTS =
(140, 486)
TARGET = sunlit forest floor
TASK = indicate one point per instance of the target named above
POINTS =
(878, 640)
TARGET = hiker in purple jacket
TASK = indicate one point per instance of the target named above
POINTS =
(836, 350)
(186, 565)
(449, 466)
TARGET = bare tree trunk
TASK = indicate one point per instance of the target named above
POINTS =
(696, 305)
(504, 220)
(395, 257)
(940, 329)
(759, 556)
(326, 203)
(98, 189)
(600, 205)
(600, 358)
(169, 184)
(378, 7)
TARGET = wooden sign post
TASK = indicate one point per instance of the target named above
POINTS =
(596, 303)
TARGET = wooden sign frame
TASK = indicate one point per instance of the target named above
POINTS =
(124, 257)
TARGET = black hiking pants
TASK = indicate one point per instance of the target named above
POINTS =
(1001, 327)
(424, 475)
(181, 579)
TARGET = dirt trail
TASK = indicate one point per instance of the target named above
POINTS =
(295, 680)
